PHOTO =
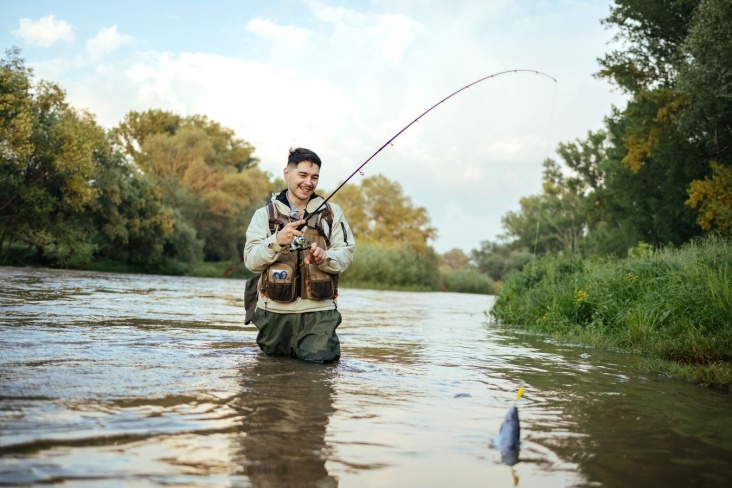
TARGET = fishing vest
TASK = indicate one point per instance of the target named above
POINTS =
(289, 277)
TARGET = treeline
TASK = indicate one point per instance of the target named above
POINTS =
(162, 193)
(172, 194)
(158, 193)
(660, 172)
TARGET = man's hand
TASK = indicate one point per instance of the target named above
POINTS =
(288, 233)
(316, 255)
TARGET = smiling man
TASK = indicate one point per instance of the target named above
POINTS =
(299, 247)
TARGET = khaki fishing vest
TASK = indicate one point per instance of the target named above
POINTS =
(288, 277)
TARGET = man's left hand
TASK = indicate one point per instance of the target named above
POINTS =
(316, 255)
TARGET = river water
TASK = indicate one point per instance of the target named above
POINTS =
(131, 380)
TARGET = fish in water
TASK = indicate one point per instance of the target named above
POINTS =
(507, 441)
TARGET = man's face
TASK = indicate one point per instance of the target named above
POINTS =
(302, 181)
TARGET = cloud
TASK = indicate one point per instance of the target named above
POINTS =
(106, 41)
(44, 32)
(384, 36)
(293, 36)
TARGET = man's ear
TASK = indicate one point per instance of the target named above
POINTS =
(286, 173)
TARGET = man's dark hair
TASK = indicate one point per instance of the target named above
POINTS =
(300, 154)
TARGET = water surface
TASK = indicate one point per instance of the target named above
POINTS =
(131, 380)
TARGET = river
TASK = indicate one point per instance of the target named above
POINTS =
(134, 380)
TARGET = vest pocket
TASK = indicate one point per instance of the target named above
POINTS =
(280, 283)
(319, 284)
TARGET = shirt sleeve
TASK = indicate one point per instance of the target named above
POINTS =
(261, 247)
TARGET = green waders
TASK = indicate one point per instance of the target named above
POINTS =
(309, 336)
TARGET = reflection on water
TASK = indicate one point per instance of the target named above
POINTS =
(285, 406)
(109, 380)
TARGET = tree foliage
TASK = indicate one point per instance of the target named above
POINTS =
(379, 212)
(207, 176)
(659, 173)
(158, 187)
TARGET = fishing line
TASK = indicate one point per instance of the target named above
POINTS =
(358, 170)
(548, 137)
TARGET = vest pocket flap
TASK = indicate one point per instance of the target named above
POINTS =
(280, 283)
(320, 285)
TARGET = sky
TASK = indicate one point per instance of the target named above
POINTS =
(344, 77)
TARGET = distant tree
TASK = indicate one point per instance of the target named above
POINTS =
(65, 194)
(454, 260)
(499, 260)
(132, 222)
(555, 220)
(379, 212)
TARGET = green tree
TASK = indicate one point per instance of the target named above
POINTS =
(65, 194)
(705, 79)
(49, 158)
(651, 34)
(555, 220)
(132, 222)
(658, 158)
(499, 260)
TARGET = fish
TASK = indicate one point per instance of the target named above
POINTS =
(508, 440)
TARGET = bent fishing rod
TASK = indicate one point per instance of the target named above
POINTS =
(358, 170)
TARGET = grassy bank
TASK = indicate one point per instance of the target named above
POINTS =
(673, 307)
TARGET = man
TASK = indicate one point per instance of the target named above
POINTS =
(299, 256)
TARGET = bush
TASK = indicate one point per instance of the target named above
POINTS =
(468, 281)
(391, 268)
(669, 304)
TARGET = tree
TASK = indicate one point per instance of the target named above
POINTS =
(651, 34)
(554, 220)
(132, 223)
(499, 260)
(454, 260)
(705, 80)
(208, 178)
(379, 212)
(49, 158)
(659, 158)
(713, 197)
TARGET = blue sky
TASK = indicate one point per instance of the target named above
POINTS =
(342, 78)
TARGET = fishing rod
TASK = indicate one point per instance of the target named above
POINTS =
(358, 170)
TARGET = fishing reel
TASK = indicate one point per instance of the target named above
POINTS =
(299, 243)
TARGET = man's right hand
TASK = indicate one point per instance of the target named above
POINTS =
(288, 233)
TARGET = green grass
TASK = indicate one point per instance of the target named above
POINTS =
(672, 306)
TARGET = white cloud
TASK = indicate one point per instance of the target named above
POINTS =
(270, 31)
(385, 36)
(45, 31)
(106, 41)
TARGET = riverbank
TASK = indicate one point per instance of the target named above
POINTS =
(672, 307)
